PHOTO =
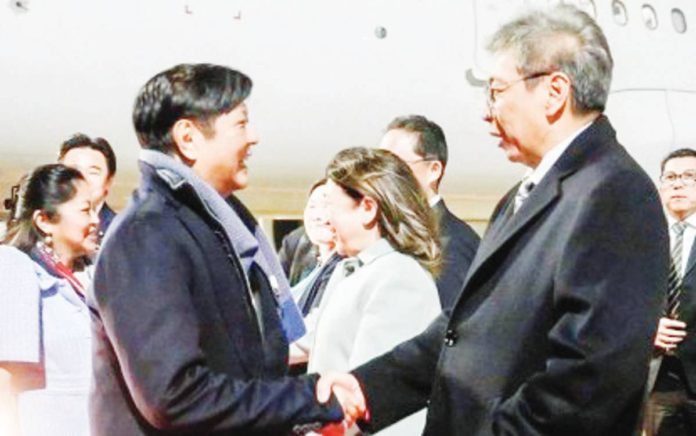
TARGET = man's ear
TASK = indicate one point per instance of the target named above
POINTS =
(435, 170)
(184, 135)
(107, 185)
(559, 92)
(368, 208)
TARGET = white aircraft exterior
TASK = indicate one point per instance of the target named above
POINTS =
(327, 75)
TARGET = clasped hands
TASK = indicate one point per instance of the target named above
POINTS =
(349, 395)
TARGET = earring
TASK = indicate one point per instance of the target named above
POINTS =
(48, 242)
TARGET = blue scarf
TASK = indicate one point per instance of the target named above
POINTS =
(245, 236)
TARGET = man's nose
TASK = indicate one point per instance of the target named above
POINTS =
(94, 217)
(487, 113)
(252, 136)
(678, 182)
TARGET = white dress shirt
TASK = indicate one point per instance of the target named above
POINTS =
(535, 175)
(689, 236)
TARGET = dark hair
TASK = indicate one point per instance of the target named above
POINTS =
(44, 189)
(404, 217)
(682, 152)
(200, 92)
(431, 139)
(80, 140)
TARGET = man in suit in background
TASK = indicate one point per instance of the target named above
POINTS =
(192, 312)
(297, 255)
(421, 144)
(96, 160)
(552, 332)
(672, 403)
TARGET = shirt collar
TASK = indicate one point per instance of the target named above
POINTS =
(690, 220)
(49, 283)
(535, 175)
(435, 200)
(374, 251)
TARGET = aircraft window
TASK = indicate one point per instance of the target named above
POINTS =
(678, 20)
(649, 17)
(618, 10)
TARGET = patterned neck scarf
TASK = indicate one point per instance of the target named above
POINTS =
(45, 257)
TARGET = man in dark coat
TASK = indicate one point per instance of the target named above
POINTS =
(672, 406)
(297, 255)
(96, 160)
(552, 333)
(192, 311)
(421, 144)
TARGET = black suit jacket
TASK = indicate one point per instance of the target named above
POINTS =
(686, 351)
(459, 243)
(297, 255)
(106, 216)
(177, 343)
(553, 331)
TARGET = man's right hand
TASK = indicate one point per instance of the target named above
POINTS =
(347, 390)
(670, 332)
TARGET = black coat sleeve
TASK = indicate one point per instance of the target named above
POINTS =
(398, 383)
(142, 291)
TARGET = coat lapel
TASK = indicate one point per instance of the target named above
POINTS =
(692, 260)
(505, 228)
(542, 196)
(233, 301)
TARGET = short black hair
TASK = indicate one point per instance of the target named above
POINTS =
(682, 152)
(80, 140)
(431, 139)
(200, 92)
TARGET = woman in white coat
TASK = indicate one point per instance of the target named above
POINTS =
(383, 293)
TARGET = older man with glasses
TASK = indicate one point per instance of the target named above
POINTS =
(672, 404)
(552, 333)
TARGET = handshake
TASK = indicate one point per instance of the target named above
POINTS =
(349, 394)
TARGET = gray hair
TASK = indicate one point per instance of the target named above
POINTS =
(566, 39)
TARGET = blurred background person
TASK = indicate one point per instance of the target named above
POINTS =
(297, 255)
(383, 292)
(309, 291)
(421, 144)
(45, 345)
(96, 160)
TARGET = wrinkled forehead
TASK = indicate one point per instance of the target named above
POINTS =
(504, 66)
(680, 165)
(401, 142)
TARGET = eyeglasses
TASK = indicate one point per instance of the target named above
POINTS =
(687, 177)
(492, 93)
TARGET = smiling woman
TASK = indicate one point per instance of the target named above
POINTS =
(45, 352)
(383, 292)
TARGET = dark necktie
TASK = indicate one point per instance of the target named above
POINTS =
(674, 286)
